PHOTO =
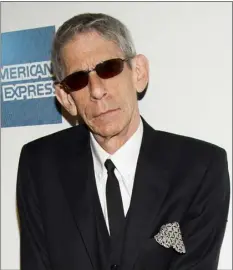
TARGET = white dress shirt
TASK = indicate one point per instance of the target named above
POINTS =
(125, 160)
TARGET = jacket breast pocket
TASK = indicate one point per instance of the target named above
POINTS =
(153, 256)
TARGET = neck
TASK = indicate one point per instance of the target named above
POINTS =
(113, 143)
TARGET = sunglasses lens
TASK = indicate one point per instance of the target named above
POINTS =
(110, 68)
(105, 70)
(76, 81)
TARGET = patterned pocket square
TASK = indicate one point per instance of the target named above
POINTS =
(170, 236)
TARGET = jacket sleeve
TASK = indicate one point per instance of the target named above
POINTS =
(33, 251)
(205, 222)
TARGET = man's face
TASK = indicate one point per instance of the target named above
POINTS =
(107, 106)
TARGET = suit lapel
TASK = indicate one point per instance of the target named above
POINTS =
(79, 188)
(102, 231)
(149, 192)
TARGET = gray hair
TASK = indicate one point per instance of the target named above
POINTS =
(105, 25)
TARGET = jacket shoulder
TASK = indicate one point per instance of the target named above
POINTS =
(194, 145)
(174, 146)
(61, 139)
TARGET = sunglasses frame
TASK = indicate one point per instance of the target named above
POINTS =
(86, 72)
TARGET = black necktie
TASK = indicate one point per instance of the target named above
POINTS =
(114, 201)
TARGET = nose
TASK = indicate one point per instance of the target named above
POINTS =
(96, 86)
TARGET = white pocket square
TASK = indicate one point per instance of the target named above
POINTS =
(170, 236)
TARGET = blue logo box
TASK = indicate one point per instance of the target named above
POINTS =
(27, 92)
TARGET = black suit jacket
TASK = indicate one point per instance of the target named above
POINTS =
(177, 179)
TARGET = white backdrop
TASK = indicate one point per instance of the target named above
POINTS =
(189, 47)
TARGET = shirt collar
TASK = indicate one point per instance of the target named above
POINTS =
(125, 158)
(99, 155)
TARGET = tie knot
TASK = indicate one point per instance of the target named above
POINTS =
(109, 165)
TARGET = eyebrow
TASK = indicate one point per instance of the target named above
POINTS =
(85, 70)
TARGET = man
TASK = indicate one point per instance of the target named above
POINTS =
(113, 193)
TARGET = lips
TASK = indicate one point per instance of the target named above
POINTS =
(104, 113)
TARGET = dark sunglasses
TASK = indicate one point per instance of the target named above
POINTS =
(105, 70)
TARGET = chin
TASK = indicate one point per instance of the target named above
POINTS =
(108, 130)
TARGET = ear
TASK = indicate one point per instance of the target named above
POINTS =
(140, 67)
(65, 99)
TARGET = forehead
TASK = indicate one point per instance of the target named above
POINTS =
(86, 50)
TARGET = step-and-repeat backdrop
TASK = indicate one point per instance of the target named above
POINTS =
(189, 47)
